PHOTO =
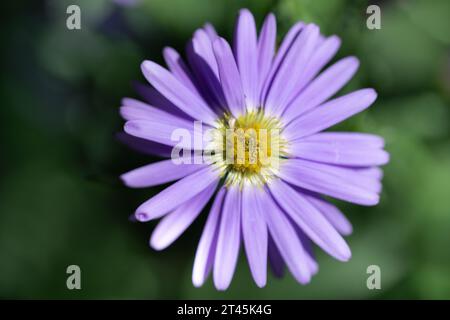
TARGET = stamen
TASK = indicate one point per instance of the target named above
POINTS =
(248, 148)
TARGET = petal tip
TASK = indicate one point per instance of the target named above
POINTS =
(261, 283)
(169, 52)
(156, 244)
(246, 12)
(197, 281)
(304, 279)
(270, 19)
(219, 45)
(347, 230)
(131, 127)
(373, 201)
(220, 282)
(148, 66)
(371, 94)
(123, 178)
(386, 157)
(221, 286)
(347, 256)
(354, 61)
(141, 216)
(336, 39)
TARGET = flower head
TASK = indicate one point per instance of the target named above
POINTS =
(267, 164)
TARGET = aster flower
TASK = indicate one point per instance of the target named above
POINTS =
(275, 208)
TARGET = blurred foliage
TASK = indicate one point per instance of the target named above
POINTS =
(61, 202)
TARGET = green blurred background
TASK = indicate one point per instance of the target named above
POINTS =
(61, 201)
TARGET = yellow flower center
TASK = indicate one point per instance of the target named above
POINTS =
(248, 148)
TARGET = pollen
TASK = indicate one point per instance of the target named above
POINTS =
(248, 148)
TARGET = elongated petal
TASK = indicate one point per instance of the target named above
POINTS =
(136, 110)
(176, 194)
(254, 232)
(175, 223)
(352, 176)
(178, 68)
(340, 155)
(177, 93)
(277, 264)
(322, 88)
(339, 149)
(291, 69)
(229, 239)
(349, 138)
(210, 31)
(158, 173)
(323, 53)
(245, 45)
(203, 47)
(206, 250)
(285, 237)
(286, 44)
(333, 215)
(144, 146)
(307, 245)
(340, 183)
(229, 77)
(310, 220)
(204, 66)
(373, 172)
(266, 49)
(329, 114)
(156, 99)
(165, 132)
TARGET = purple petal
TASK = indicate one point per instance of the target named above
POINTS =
(333, 215)
(325, 50)
(254, 232)
(285, 237)
(156, 99)
(322, 88)
(310, 220)
(176, 222)
(176, 194)
(372, 172)
(276, 260)
(203, 47)
(350, 138)
(284, 48)
(340, 183)
(144, 146)
(322, 55)
(204, 65)
(329, 114)
(133, 109)
(245, 47)
(229, 77)
(210, 31)
(350, 175)
(307, 245)
(229, 239)
(339, 149)
(158, 173)
(291, 69)
(206, 250)
(178, 68)
(177, 93)
(266, 49)
(161, 129)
